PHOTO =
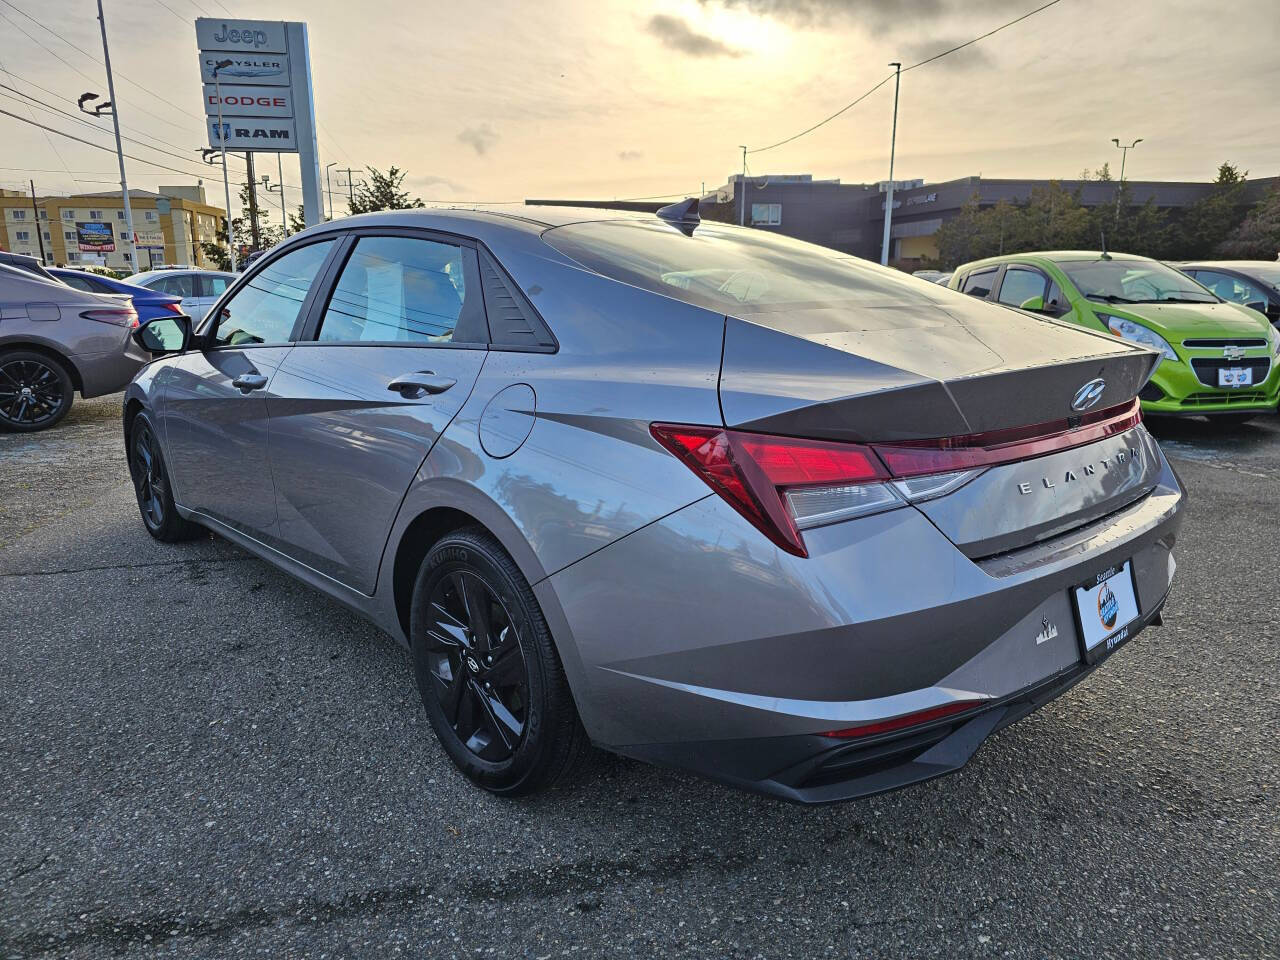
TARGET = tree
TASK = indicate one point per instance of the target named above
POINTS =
(1103, 173)
(382, 192)
(1258, 237)
(1209, 220)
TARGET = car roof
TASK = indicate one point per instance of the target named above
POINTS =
(1057, 256)
(1231, 264)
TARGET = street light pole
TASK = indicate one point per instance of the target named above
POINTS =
(742, 215)
(130, 248)
(1124, 155)
(329, 185)
(222, 142)
(893, 143)
(284, 217)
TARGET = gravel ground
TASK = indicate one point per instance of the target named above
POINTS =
(203, 758)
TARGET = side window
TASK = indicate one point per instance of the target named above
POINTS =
(1021, 284)
(1229, 288)
(213, 286)
(1055, 304)
(177, 285)
(266, 308)
(397, 289)
(978, 284)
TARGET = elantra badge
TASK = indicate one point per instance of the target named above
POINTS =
(1088, 395)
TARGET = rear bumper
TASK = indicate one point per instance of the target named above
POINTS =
(695, 643)
(109, 372)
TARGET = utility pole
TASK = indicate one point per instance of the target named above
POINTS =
(742, 213)
(284, 218)
(35, 211)
(329, 185)
(226, 180)
(279, 187)
(893, 143)
(130, 247)
(1124, 155)
(254, 227)
(350, 193)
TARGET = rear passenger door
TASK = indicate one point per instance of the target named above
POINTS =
(388, 358)
(980, 283)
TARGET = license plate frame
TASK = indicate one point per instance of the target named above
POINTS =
(1233, 378)
(1100, 637)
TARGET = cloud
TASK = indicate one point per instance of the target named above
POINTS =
(480, 137)
(966, 59)
(878, 16)
(424, 183)
(626, 155)
(678, 35)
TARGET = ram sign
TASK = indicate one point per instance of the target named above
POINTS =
(254, 133)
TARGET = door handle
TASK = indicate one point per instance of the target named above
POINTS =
(413, 386)
(249, 381)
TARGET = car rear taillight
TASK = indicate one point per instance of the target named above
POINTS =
(118, 316)
(784, 485)
(919, 718)
(175, 307)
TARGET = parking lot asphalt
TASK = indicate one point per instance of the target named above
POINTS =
(202, 758)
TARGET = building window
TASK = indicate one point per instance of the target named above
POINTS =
(119, 214)
(68, 214)
(19, 214)
(95, 214)
(68, 234)
(149, 214)
(22, 236)
(128, 257)
(124, 235)
(766, 214)
(46, 235)
(44, 214)
(72, 256)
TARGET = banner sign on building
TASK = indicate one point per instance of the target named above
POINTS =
(95, 236)
(260, 99)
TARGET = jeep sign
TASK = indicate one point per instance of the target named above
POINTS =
(244, 36)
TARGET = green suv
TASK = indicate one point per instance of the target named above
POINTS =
(1219, 358)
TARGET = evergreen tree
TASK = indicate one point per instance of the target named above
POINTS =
(1258, 237)
(382, 192)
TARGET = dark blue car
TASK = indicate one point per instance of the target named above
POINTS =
(149, 303)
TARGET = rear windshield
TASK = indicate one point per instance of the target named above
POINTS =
(731, 270)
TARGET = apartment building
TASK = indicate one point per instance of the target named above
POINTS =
(89, 228)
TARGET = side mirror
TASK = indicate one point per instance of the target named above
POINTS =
(164, 335)
(1034, 304)
(1259, 305)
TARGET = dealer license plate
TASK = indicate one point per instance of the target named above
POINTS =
(1107, 607)
(1235, 377)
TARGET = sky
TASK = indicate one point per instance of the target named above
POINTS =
(501, 100)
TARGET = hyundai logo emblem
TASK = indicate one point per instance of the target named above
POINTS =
(1088, 395)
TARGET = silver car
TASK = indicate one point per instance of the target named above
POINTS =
(199, 289)
(55, 340)
(697, 494)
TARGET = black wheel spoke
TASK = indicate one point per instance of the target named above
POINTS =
(481, 681)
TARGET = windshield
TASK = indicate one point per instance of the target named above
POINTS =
(731, 270)
(1134, 281)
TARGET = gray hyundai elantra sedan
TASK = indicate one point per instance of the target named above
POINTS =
(696, 494)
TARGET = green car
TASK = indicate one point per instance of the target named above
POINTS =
(1219, 358)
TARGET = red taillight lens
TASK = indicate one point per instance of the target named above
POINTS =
(914, 458)
(174, 307)
(118, 316)
(752, 471)
(906, 720)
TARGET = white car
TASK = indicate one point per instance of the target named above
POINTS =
(197, 288)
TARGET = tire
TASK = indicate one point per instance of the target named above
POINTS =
(508, 723)
(1233, 419)
(152, 487)
(35, 391)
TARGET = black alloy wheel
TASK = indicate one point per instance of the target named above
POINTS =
(152, 486)
(481, 680)
(35, 391)
(148, 477)
(488, 671)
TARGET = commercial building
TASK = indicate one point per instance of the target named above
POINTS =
(850, 216)
(89, 228)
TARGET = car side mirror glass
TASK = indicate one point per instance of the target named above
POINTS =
(1259, 305)
(165, 335)
(1034, 304)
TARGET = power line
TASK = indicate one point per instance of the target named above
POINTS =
(989, 33)
(927, 60)
(83, 52)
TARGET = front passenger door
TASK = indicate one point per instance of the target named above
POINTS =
(215, 411)
(358, 404)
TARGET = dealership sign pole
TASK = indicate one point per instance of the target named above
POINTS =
(262, 100)
(226, 180)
